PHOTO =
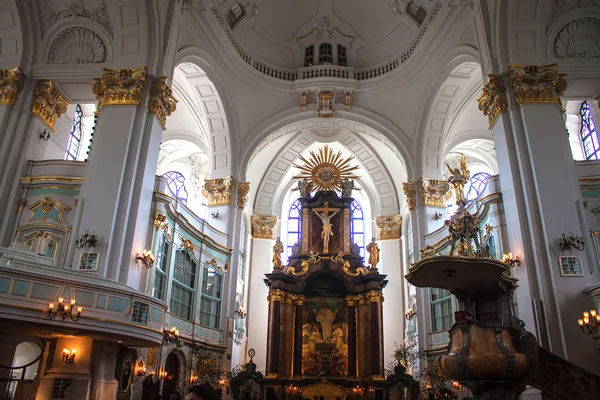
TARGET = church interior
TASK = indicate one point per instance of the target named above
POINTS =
(300, 199)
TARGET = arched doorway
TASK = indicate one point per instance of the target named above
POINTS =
(172, 376)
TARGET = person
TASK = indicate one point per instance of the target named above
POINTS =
(325, 317)
(201, 392)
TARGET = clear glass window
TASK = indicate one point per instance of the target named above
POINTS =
(210, 307)
(176, 184)
(182, 289)
(162, 264)
(309, 56)
(589, 133)
(325, 54)
(342, 59)
(74, 141)
(441, 310)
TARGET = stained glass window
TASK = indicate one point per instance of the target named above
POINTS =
(294, 226)
(176, 183)
(74, 141)
(589, 133)
(357, 227)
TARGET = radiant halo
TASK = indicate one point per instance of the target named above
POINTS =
(326, 170)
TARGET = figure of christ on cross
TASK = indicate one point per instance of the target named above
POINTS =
(327, 231)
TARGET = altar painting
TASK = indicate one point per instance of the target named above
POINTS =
(325, 337)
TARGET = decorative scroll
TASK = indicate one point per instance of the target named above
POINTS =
(492, 100)
(411, 195)
(263, 225)
(48, 104)
(433, 192)
(188, 245)
(162, 102)
(11, 83)
(242, 192)
(160, 222)
(47, 205)
(218, 191)
(389, 227)
(120, 87)
(537, 84)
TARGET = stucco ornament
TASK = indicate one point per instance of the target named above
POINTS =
(579, 39)
(77, 46)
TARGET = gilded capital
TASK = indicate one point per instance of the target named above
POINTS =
(218, 191)
(410, 193)
(300, 300)
(492, 100)
(276, 295)
(11, 83)
(48, 104)
(120, 87)
(374, 296)
(242, 192)
(389, 227)
(350, 301)
(537, 83)
(263, 226)
(434, 192)
(162, 102)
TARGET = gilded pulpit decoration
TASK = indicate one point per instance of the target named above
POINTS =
(373, 250)
(326, 101)
(459, 177)
(187, 245)
(218, 191)
(120, 87)
(303, 101)
(277, 250)
(11, 83)
(48, 104)
(411, 195)
(433, 192)
(162, 102)
(492, 100)
(21, 205)
(242, 192)
(263, 226)
(389, 227)
(47, 205)
(347, 101)
(537, 83)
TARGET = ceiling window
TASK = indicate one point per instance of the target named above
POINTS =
(342, 58)
(416, 12)
(235, 14)
(176, 183)
(325, 54)
(309, 56)
(589, 133)
(74, 141)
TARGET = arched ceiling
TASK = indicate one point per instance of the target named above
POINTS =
(373, 31)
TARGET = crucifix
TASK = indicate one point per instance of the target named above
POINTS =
(323, 213)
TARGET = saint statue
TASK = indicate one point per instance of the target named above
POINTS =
(347, 187)
(325, 317)
(373, 250)
(277, 250)
(459, 178)
(327, 228)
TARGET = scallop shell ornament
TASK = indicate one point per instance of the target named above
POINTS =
(77, 46)
(579, 39)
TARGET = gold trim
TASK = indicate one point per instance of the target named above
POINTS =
(537, 83)
(411, 195)
(492, 100)
(11, 83)
(325, 170)
(119, 87)
(21, 206)
(48, 104)
(434, 192)
(242, 192)
(50, 178)
(47, 204)
(389, 227)
(263, 226)
(218, 191)
(162, 102)
(188, 245)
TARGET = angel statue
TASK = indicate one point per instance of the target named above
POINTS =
(459, 178)
(305, 187)
(347, 187)
(277, 250)
(373, 250)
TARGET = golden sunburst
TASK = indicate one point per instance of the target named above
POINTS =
(326, 170)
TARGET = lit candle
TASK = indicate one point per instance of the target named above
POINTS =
(66, 308)
(65, 351)
(72, 301)
(60, 300)
(79, 310)
(593, 313)
(73, 351)
(580, 322)
(51, 306)
(586, 314)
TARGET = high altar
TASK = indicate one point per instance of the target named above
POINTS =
(325, 334)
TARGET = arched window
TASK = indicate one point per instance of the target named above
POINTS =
(294, 226)
(477, 184)
(182, 288)
(325, 54)
(357, 227)
(162, 264)
(309, 56)
(342, 58)
(235, 14)
(589, 133)
(74, 141)
(176, 183)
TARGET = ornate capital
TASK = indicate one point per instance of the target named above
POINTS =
(492, 100)
(242, 192)
(411, 195)
(276, 295)
(48, 104)
(218, 191)
(299, 299)
(120, 87)
(11, 83)
(389, 227)
(160, 222)
(374, 296)
(537, 83)
(263, 225)
(433, 192)
(162, 102)
(351, 300)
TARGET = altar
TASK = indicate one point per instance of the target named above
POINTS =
(325, 333)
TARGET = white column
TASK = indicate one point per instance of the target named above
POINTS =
(393, 293)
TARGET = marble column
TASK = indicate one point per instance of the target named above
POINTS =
(275, 298)
(298, 336)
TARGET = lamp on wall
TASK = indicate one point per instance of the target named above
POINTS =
(86, 240)
(64, 310)
(194, 378)
(147, 258)
(45, 135)
(241, 313)
(141, 369)
(437, 216)
(511, 261)
(570, 242)
(171, 335)
(214, 214)
(162, 374)
(590, 322)
(69, 356)
(409, 314)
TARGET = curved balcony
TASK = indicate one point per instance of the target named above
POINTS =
(111, 311)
